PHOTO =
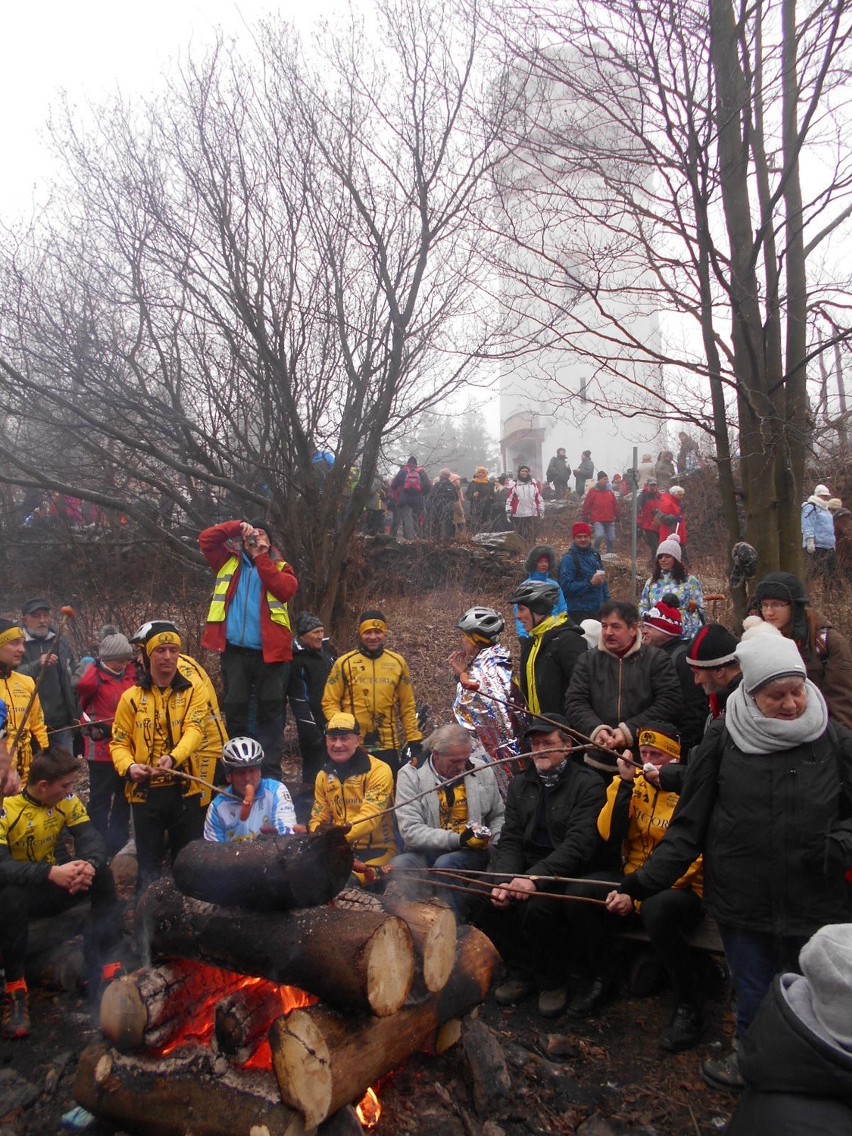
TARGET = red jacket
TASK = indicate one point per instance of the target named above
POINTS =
(99, 691)
(601, 506)
(670, 506)
(648, 505)
(280, 581)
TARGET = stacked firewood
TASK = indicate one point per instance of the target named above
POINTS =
(330, 994)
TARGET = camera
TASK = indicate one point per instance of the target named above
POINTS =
(251, 542)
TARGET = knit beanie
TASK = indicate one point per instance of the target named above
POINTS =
(372, 613)
(834, 505)
(581, 529)
(665, 618)
(822, 491)
(790, 589)
(713, 646)
(259, 524)
(671, 547)
(306, 621)
(826, 962)
(765, 655)
(114, 645)
(677, 490)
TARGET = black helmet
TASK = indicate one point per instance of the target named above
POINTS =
(242, 753)
(539, 596)
(482, 621)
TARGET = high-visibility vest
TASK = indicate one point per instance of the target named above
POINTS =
(278, 611)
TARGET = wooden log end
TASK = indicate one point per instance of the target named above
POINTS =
(123, 1016)
(390, 966)
(303, 1065)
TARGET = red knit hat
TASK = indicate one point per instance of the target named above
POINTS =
(665, 618)
(581, 529)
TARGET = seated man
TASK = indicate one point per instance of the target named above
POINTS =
(451, 826)
(550, 830)
(32, 883)
(355, 789)
(635, 818)
(255, 805)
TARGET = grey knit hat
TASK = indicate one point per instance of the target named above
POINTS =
(307, 622)
(826, 962)
(114, 645)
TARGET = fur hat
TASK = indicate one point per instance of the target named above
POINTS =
(114, 645)
(765, 655)
(671, 547)
(744, 557)
(826, 962)
(713, 646)
(677, 490)
(665, 618)
(789, 589)
(536, 555)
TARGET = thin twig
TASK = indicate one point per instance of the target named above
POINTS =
(475, 873)
(477, 886)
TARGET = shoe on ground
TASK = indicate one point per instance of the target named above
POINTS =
(724, 1073)
(684, 1030)
(647, 975)
(551, 1003)
(15, 1015)
(589, 1001)
(514, 990)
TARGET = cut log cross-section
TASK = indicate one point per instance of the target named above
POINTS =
(241, 1020)
(323, 1060)
(354, 961)
(433, 928)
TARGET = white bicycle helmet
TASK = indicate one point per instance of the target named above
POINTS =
(483, 621)
(242, 753)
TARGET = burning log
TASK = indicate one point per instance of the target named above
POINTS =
(187, 1094)
(149, 1008)
(324, 1060)
(354, 960)
(241, 1020)
(272, 873)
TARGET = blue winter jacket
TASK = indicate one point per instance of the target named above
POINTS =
(817, 523)
(578, 592)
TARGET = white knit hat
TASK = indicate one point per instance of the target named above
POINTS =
(671, 547)
(765, 655)
(822, 491)
(826, 962)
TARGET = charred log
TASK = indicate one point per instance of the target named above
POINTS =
(241, 1020)
(324, 1060)
(272, 873)
(353, 960)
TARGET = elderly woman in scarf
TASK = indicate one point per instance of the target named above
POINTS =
(768, 800)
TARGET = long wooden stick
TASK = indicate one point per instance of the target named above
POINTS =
(466, 873)
(478, 888)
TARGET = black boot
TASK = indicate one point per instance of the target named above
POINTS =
(591, 1000)
(684, 1030)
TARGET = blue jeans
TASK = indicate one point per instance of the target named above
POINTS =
(604, 530)
(464, 858)
(755, 957)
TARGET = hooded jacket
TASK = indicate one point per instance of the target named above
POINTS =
(600, 506)
(817, 524)
(99, 691)
(575, 573)
(535, 555)
(55, 691)
(798, 1079)
(606, 690)
(419, 820)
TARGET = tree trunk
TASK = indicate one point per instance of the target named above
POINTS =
(181, 1096)
(272, 873)
(323, 1060)
(353, 960)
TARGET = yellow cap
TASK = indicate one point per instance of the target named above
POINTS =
(341, 723)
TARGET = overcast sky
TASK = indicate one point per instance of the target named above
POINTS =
(88, 49)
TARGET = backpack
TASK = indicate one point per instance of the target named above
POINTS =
(412, 481)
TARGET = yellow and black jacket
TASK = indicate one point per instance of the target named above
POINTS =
(372, 688)
(637, 816)
(30, 832)
(353, 793)
(16, 690)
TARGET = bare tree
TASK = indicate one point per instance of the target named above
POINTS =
(668, 140)
(276, 256)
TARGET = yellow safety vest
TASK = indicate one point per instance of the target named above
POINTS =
(278, 611)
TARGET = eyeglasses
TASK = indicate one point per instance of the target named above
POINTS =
(772, 605)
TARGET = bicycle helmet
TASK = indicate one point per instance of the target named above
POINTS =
(242, 753)
(484, 622)
(142, 633)
(539, 596)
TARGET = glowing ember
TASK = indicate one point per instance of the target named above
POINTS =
(369, 1110)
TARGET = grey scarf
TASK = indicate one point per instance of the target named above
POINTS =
(752, 733)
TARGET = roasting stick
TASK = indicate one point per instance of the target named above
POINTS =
(481, 888)
(460, 777)
(477, 876)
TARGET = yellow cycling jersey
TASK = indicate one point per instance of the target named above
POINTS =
(373, 689)
(31, 831)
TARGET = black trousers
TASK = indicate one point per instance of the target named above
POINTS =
(108, 808)
(255, 702)
(21, 903)
(166, 811)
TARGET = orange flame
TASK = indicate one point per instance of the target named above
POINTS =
(369, 1110)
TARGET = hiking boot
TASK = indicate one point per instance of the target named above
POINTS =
(590, 1001)
(647, 975)
(514, 990)
(684, 1030)
(724, 1073)
(16, 1015)
(551, 1003)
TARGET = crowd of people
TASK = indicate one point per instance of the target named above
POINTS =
(640, 756)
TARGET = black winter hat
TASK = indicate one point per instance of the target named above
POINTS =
(713, 646)
(372, 613)
(789, 589)
(537, 553)
(306, 621)
(260, 524)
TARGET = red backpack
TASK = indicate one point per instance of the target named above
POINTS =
(412, 481)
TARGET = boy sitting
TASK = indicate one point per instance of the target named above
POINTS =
(33, 884)
(255, 805)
